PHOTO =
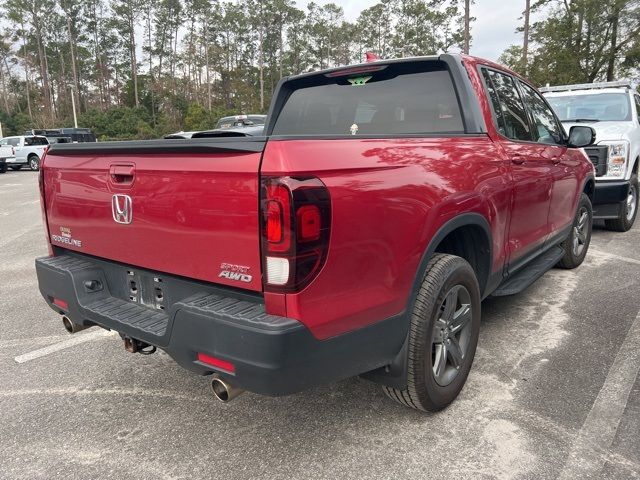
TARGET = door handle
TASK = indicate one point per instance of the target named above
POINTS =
(518, 160)
(122, 174)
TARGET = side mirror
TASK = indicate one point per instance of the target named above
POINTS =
(581, 136)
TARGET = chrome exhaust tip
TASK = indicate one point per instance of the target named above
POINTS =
(72, 327)
(223, 390)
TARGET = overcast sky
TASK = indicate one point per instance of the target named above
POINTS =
(492, 32)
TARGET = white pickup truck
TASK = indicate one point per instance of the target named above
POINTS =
(6, 152)
(23, 150)
(612, 109)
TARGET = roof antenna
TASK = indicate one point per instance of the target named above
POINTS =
(371, 57)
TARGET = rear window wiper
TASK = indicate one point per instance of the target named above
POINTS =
(578, 120)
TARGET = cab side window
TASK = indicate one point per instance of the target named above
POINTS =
(515, 123)
(637, 97)
(546, 127)
(495, 103)
(14, 142)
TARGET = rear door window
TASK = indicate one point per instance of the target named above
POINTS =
(411, 98)
(35, 141)
(546, 127)
(515, 123)
(495, 103)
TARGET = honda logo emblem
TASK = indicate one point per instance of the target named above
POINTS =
(122, 209)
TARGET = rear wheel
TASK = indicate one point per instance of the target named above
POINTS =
(3, 167)
(445, 323)
(577, 243)
(628, 211)
(34, 162)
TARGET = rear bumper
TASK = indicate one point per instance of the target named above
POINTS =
(271, 355)
(608, 198)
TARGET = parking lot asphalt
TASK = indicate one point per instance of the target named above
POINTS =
(554, 391)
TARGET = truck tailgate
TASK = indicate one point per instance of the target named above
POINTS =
(187, 208)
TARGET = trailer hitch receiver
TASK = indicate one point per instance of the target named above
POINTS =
(132, 345)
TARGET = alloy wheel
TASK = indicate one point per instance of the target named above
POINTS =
(451, 335)
(580, 232)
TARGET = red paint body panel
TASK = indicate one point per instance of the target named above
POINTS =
(389, 198)
(186, 220)
(550, 180)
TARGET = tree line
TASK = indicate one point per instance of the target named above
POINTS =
(578, 41)
(143, 68)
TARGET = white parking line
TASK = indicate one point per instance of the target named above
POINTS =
(33, 341)
(599, 428)
(75, 340)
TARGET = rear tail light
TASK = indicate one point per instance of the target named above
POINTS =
(296, 221)
(43, 206)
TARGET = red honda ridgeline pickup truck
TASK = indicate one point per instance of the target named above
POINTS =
(358, 236)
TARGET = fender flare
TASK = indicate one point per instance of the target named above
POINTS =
(394, 375)
(587, 179)
(462, 220)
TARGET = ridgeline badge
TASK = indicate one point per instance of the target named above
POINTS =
(65, 237)
(359, 80)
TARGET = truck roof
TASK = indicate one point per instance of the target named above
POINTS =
(599, 91)
(620, 86)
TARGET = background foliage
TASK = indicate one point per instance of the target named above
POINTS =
(143, 68)
(580, 41)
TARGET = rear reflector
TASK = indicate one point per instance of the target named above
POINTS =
(61, 303)
(216, 362)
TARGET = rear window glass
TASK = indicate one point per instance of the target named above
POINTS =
(411, 98)
(35, 141)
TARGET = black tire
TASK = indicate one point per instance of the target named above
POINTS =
(577, 243)
(3, 167)
(15, 167)
(628, 212)
(34, 162)
(444, 274)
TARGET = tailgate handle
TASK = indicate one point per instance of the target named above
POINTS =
(122, 174)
